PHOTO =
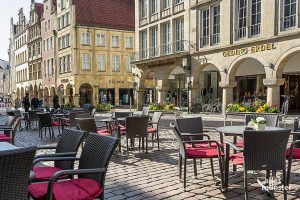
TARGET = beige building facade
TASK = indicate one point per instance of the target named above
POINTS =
(49, 64)
(238, 50)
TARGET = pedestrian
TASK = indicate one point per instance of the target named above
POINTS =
(35, 103)
(26, 103)
(55, 101)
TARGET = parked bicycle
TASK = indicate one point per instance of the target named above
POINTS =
(285, 105)
(212, 107)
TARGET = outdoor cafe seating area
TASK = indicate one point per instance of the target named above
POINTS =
(84, 154)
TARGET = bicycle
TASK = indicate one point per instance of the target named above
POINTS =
(285, 105)
(212, 107)
(196, 108)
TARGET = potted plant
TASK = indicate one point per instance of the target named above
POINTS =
(104, 107)
(259, 123)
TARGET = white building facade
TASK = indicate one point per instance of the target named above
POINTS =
(238, 50)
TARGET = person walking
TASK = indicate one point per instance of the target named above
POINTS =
(26, 103)
(55, 101)
(35, 103)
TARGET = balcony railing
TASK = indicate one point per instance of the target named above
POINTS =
(166, 12)
(240, 33)
(178, 7)
(288, 22)
(254, 30)
(180, 46)
(195, 3)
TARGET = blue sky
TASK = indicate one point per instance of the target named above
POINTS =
(10, 9)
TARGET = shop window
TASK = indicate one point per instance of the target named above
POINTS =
(126, 96)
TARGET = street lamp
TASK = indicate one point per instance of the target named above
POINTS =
(188, 95)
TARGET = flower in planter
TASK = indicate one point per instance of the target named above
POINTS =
(259, 120)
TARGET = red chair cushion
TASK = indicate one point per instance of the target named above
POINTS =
(202, 145)
(151, 130)
(5, 138)
(196, 152)
(75, 189)
(296, 153)
(56, 123)
(44, 173)
(237, 159)
(103, 132)
(240, 143)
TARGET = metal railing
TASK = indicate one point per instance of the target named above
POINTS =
(288, 22)
(254, 30)
(240, 33)
(180, 46)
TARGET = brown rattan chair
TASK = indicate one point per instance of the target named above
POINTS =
(153, 129)
(15, 168)
(136, 127)
(46, 121)
(93, 164)
(89, 125)
(263, 150)
(67, 145)
(192, 146)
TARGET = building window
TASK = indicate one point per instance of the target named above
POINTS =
(179, 31)
(115, 41)
(68, 63)
(115, 63)
(101, 40)
(143, 44)
(154, 48)
(48, 44)
(129, 42)
(128, 64)
(45, 68)
(176, 2)
(63, 40)
(49, 24)
(52, 67)
(67, 19)
(204, 40)
(166, 38)
(143, 9)
(58, 23)
(45, 25)
(101, 63)
(68, 40)
(62, 4)
(154, 7)
(86, 61)
(165, 4)
(85, 38)
(241, 30)
(289, 14)
(215, 38)
(255, 18)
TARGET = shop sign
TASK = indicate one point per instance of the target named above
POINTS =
(249, 50)
(65, 80)
(116, 82)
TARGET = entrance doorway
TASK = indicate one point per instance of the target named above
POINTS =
(86, 94)
(126, 96)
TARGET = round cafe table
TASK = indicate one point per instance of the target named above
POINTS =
(239, 131)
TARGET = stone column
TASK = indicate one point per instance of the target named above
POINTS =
(140, 98)
(273, 90)
(227, 94)
(67, 99)
(96, 96)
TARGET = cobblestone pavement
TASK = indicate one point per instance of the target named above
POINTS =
(155, 175)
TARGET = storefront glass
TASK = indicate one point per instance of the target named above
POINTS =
(86, 94)
(126, 96)
(291, 88)
(149, 96)
(107, 96)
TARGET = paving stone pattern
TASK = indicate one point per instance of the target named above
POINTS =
(155, 175)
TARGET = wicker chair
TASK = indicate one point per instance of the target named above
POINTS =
(293, 152)
(32, 119)
(268, 154)
(15, 167)
(153, 129)
(122, 114)
(89, 125)
(9, 130)
(136, 127)
(67, 145)
(93, 164)
(45, 121)
(192, 146)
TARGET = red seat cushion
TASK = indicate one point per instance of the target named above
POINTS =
(202, 145)
(151, 130)
(237, 159)
(75, 189)
(240, 143)
(56, 123)
(44, 173)
(5, 138)
(196, 152)
(296, 153)
(103, 132)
